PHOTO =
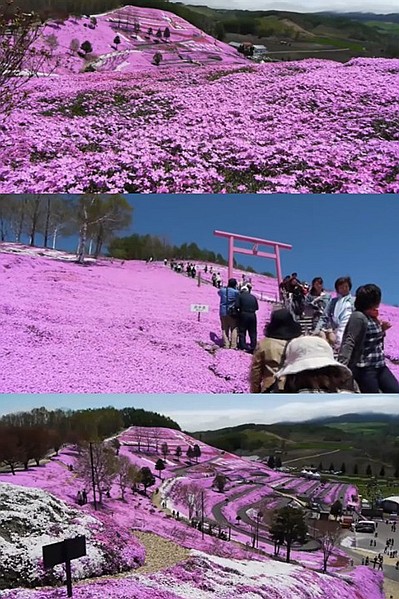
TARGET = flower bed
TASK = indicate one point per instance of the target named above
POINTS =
(312, 126)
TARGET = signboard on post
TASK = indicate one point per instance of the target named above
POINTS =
(199, 308)
(63, 553)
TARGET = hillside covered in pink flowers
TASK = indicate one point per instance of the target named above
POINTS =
(122, 327)
(160, 555)
(204, 120)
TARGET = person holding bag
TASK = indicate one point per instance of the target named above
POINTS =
(362, 348)
(228, 314)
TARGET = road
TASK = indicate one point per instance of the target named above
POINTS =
(293, 51)
(316, 455)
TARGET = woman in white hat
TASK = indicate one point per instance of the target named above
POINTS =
(310, 367)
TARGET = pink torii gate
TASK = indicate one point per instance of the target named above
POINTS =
(256, 241)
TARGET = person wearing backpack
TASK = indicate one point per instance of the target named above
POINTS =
(362, 348)
(228, 314)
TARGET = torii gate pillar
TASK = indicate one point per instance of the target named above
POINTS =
(256, 242)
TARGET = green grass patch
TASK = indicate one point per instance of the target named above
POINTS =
(337, 43)
(384, 26)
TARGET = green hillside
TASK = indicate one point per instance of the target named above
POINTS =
(358, 444)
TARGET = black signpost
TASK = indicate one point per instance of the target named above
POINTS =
(63, 553)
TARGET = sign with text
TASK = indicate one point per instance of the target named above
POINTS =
(199, 308)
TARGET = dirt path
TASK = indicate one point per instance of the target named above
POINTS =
(391, 588)
(316, 455)
(160, 553)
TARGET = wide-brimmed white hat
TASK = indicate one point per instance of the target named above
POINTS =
(308, 353)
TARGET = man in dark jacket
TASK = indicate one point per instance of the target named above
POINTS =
(247, 306)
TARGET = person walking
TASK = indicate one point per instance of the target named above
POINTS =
(247, 306)
(362, 348)
(316, 301)
(228, 314)
(335, 317)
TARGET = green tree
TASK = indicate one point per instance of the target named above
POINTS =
(271, 461)
(147, 478)
(288, 526)
(220, 481)
(178, 452)
(336, 509)
(343, 468)
(196, 452)
(355, 469)
(86, 47)
(369, 471)
(159, 466)
(382, 471)
(277, 462)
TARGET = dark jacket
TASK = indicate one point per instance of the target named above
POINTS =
(353, 340)
(246, 302)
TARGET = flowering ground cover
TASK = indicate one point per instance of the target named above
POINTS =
(212, 568)
(114, 327)
(188, 126)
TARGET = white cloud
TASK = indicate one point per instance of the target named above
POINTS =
(293, 408)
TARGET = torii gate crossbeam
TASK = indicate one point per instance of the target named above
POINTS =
(256, 241)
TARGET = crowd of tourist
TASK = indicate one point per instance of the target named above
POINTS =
(341, 352)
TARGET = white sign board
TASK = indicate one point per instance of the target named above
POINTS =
(199, 308)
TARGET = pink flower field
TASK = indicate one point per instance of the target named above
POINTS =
(113, 327)
(207, 567)
(188, 126)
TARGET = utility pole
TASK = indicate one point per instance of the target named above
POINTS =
(92, 475)
(202, 514)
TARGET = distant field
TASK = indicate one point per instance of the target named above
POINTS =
(365, 428)
(384, 26)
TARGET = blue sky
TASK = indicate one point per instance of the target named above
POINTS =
(331, 235)
(210, 412)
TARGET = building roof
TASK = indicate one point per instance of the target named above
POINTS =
(394, 498)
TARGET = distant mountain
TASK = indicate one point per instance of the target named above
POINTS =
(364, 417)
(364, 16)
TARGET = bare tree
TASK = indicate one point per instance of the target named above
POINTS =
(74, 46)
(104, 468)
(191, 496)
(98, 217)
(126, 475)
(148, 438)
(156, 433)
(328, 534)
(20, 57)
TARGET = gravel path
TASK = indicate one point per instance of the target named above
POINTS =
(160, 553)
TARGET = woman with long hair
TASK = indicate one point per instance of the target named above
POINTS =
(269, 353)
(362, 348)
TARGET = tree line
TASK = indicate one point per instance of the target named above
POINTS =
(142, 247)
(93, 219)
(27, 436)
